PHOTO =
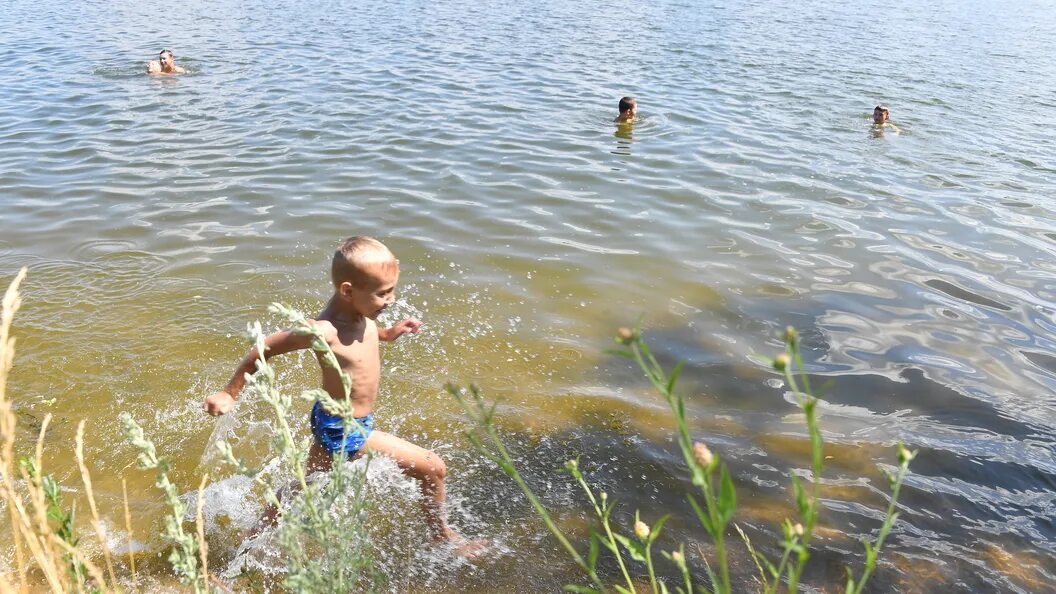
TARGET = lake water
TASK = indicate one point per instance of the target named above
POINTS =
(160, 215)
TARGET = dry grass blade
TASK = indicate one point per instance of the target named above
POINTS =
(203, 547)
(86, 478)
(49, 559)
(29, 521)
(8, 421)
(755, 556)
(128, 529)
(93, 569)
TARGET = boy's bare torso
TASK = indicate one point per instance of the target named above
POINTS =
(355, 345)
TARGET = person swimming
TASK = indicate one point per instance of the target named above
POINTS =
(628, 110)
(881, 115)
(165, 64)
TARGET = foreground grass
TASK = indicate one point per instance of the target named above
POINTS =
(713, 497)
(321, 534)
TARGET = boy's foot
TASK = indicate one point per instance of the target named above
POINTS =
(468, 549)
(471, 549)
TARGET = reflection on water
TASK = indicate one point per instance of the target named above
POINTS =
(159, 215)
(624, 135)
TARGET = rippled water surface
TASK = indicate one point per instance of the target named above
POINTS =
(159, 215)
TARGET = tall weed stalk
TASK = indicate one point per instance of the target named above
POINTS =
(184, 556)
(322, 532)
(714, 503)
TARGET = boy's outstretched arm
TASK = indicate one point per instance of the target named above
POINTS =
(275, 344)
(399, 329)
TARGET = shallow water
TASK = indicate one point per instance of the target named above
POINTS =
(160, 215)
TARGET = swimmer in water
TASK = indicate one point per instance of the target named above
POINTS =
(165, 64)
(881, 115)
(628, 110)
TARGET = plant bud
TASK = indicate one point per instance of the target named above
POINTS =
(604, 496)
(782, 361)
(625, 335)
(572, 465)
(905, 456)
(641, 530)
(797, 529)
(790, 335)
(703, 455)
(677, 557)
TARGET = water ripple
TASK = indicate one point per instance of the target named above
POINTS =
(168, 211)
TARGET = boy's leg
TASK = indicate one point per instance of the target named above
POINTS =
(318, 459)
(424, 466)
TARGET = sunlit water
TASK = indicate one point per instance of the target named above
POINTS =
(158, 216)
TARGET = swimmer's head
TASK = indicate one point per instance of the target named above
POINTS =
(166, 58)
(628, 109)
(880, 114)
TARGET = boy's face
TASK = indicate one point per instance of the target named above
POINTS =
(880, 116)
(165, 59)
(375, 291)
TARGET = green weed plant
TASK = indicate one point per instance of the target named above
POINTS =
(321, 533)
(713, 497)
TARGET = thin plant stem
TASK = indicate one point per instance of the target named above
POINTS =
(45, 554)
(203, 546)
(516, 476)
(604, 516)
(889, 521)
(128, 529)
(782, 565)
(808, 403)
(663, 384)
(184, 555)
(86, 478)
(501, 456)
(78, 556)
(8, 421)
(649, 565)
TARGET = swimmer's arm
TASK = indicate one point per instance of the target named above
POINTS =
(410, 325)
(180, 70)
(275, 344)
(895, 128)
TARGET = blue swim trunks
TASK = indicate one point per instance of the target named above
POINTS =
(330, 430)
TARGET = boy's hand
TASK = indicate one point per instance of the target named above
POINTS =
(409, 325)
(219, 404)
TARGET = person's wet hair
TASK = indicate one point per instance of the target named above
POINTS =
(357, 257)
(165, 51)
(879, 109)
(627, 103)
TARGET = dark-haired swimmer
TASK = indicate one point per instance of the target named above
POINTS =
(628, 110)
(881, 115)
(165, 64)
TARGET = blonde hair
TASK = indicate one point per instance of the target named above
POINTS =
(358, 254)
